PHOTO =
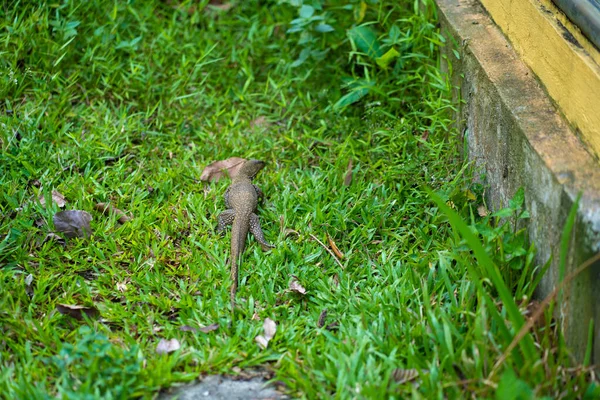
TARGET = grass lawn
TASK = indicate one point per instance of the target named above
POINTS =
(126, 102)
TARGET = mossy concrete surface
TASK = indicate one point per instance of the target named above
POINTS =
(515, 137)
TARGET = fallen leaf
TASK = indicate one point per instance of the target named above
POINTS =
(269, 328)
(260, 122)
(262, 341)
(209, 328)
(187, 328)
(295, 286)
(106, 208)
(333, 326)
(482, 211)
(220, 5)
(322, 318)
(28, 286)
(348, 177)
(287, 232)
(73, 223)
(57, 198)
(52, 237)
(77, 312)
(219, 169)
(167, 346)
(334, 248)
(404, 375)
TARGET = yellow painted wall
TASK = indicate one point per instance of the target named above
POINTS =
(569, 71)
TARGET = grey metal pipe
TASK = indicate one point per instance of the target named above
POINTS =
(585, 14)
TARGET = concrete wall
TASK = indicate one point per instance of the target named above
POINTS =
(516, 138)
(562, 59)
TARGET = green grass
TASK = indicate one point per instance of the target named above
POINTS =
(126, 103)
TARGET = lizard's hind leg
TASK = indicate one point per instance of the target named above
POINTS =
(258, 233)
(225, 218)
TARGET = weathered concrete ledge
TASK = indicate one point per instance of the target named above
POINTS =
(516, 138)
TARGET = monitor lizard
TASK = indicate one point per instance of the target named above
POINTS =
(241, 198)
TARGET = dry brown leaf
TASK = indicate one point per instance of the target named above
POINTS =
(322, 318)
(295, 286)
(106, 208)
(333, 326)
(167, 346)
(52, 237)
(187, 328)
(404, 375)
(77, 312)
(270, 328)
(287, 232)
(73, 223)
(219, 169)
(209, 328)
(57, 198)
(348, 177)
(334, 248)
(220, 5)
(260, 122)
(28, 285)
(424, 137)
(482, 211)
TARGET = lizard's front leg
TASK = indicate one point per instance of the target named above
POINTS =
(225, 218)
(259, 193)
(258, 233)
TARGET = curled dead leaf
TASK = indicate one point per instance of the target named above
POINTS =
(295, 286)
(287, 232)
(73, 223)
(334, 326)
(269, 328)
(260, 122)
(220, 5)
(322, 318)
(348, 177)
(52, 237)
(167, 346)
(28, 285)
(404, 375)
(122, 287)
(77, 312)
(219, 169)
(482, 211)
(57, 198)
(106, 208)
(209, 328)
(334, 248)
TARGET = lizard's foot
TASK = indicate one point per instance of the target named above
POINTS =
(225, 218)
(266, 246)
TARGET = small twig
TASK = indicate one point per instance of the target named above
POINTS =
(542, 307)
(328, 250)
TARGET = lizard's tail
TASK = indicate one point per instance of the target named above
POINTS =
(239, 232)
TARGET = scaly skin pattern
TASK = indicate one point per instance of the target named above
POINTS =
(241, 199)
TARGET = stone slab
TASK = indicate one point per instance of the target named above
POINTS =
(217, 387)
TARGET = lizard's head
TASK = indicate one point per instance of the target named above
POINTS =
(251, 168)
